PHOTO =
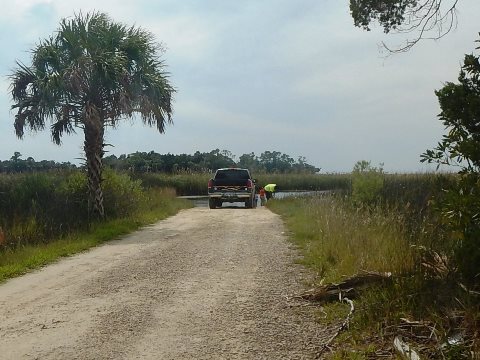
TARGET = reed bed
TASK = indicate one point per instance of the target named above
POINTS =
(45, 216)
(414, 190)
(313, 182)
(35, 208)
(196, 183)
(184, 184)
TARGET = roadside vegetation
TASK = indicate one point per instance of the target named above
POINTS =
(393, 226)
(44, 216)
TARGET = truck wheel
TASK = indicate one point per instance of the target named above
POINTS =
(248, 204)
(212, 203)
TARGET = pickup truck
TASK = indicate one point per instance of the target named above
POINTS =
(231, 185)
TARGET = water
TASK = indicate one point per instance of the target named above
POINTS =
(202, 200)
(300, 193)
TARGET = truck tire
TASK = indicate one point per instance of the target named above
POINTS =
(248, 204)
(212, 203)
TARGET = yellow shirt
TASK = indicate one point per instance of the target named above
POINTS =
(270, 187)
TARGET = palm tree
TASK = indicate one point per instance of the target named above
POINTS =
(90, 74)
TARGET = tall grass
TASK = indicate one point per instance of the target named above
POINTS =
(414, 190)
(19, 257)
(316, 182)
(341, 236)
(196, 184)
(184, 184)
(339, 240)
(35, 208)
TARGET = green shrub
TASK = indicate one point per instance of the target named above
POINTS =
(122, 195)
(367, 183)
(460, 210)
(37, 207)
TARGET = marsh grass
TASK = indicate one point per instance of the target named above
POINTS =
(196, 183)
(183, 183)
(317, 182)
(158, 204)
(45, 216)
(37, 207)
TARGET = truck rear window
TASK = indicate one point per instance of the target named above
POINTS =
(232, 174)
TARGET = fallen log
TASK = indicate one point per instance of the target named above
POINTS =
(347, 288)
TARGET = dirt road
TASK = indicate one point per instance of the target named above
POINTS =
(205, 284)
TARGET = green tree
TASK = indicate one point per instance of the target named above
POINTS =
(460, 105)
(301, 166)
(433, 17)
(217, 159)
(276, 162)
(17, 164)
(90, 74)
(250, 161)
(460, 147)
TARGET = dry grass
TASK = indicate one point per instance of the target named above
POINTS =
(339, 240)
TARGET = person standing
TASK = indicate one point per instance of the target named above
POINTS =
(263, 198)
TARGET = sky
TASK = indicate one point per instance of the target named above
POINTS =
(254, 76)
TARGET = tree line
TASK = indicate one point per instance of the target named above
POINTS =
(144, 162)
(18, 165)
(266, 162)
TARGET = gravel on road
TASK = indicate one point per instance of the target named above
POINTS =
(204, 284)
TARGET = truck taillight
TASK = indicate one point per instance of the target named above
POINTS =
(249, 183)
(210, 183)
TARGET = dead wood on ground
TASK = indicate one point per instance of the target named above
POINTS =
(347, 288)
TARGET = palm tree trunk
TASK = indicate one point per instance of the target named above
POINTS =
(93, 147)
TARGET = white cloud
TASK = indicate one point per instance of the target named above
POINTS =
(188, 38)
(15, 9)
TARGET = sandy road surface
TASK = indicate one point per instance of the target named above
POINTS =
(205, 284)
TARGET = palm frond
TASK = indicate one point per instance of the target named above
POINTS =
(62, 125)
(21, 80)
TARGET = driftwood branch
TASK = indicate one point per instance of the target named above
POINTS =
(343, 326)
(344, 292)
(347, 288)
